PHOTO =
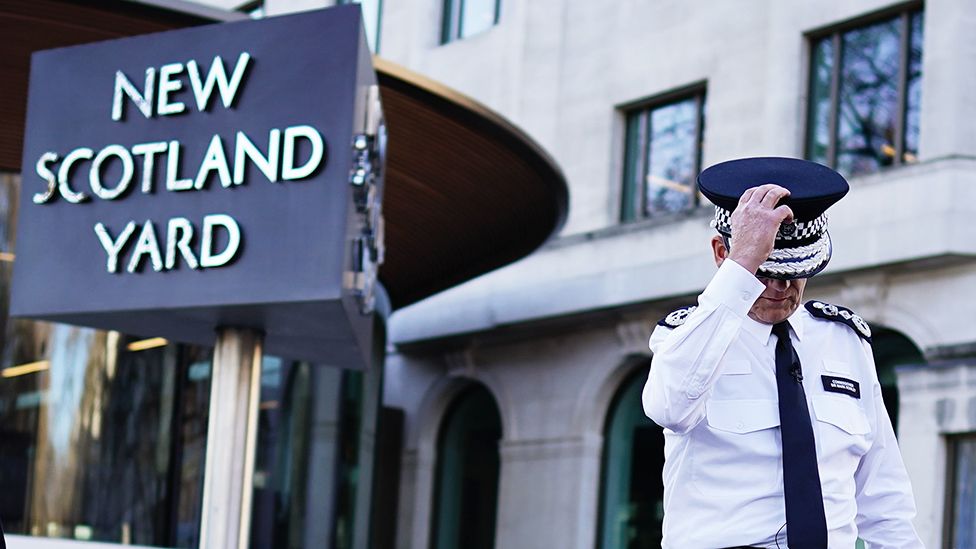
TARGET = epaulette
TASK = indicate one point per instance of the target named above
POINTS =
(840, 314)
(677, 317)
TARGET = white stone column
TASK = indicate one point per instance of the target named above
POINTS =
(539, 494)
(938, 399)
(235, 384)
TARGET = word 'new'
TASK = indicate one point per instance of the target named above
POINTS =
(168, 84)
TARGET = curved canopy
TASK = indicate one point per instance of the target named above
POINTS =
(466, 192)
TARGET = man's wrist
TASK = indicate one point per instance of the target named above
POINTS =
(734, 287)
(748, 263)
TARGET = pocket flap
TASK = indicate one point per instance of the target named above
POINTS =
(742, 416)
(845, 414)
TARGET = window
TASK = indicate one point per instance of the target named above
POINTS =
(309, 463)
(464, 18)
(102, 436)
(960, 521)
(631, 487)
(662, 155)
(892, 349)
(865, 94)
(467, 473)
(372, 11)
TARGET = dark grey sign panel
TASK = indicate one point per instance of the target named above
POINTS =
(181, 181)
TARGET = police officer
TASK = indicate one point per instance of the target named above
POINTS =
(775, 431)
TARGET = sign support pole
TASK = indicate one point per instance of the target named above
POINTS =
(235, 384)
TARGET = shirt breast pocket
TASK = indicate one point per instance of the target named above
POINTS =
(846, 415)
(843, 435)
(738, 452)
(736, 381)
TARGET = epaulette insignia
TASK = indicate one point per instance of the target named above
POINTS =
(840, 314)
(677, 317)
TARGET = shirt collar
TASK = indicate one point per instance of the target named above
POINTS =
(763, 332)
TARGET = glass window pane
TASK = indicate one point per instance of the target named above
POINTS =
(671, 157)
(94, 428)
(310, 467)
(192, 430)
(467, 473)
(100, 439)
(633, 150)
(913, 87)
(963, 512)
(350, 461)
(311, 480)
(477, 16)
(278, 517)
(632, 503)
(449, 20)
(892, 349)
(818, 118)
(868, 108)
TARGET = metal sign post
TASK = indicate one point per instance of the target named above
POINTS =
(235, 384)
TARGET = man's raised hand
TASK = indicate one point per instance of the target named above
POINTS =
(755, 222)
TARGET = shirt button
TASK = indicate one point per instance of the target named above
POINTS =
(745, 296)
(740, 425)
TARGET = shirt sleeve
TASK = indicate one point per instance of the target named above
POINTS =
(885, 503)
(686, 359)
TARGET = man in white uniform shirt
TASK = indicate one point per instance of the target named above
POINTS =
(776, 434)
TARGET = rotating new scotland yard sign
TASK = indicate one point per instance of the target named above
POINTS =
(224, 175)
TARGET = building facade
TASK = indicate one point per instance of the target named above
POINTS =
(632, 99)
(107, 438)
(519, 391)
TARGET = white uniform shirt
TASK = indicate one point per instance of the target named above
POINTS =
(712, 386)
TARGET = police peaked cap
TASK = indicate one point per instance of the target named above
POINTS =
(802, 247)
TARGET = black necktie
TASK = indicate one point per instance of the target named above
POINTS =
(806, 525)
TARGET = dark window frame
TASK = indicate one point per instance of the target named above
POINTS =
(452, 19)
(638, 210)
(835, 32)
(948, 514)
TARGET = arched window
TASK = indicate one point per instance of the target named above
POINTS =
(632, 491)
(892, 349)
(466, 488)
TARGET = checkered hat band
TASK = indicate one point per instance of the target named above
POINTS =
(800, 231)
